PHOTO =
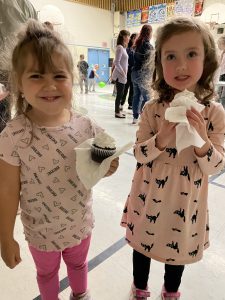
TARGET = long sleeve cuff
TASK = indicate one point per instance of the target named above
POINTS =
(146, 151)
(212, 163)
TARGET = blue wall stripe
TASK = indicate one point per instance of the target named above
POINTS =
(218, 184)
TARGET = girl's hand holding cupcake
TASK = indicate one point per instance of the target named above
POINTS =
(113, 167)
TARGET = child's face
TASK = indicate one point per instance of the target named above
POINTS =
(182, 59)
(126, 40)
(49, 93)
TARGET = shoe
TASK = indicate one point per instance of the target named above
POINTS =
(84, 296)
(134, 121)
(129, 107)
(137, 294)
(169, 296)
(120, 116)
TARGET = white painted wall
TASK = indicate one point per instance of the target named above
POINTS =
(214, 11)
(84, 25)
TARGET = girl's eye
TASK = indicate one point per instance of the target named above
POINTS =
(60, 76)
(35, 76)
(170, 57)
(192, 54)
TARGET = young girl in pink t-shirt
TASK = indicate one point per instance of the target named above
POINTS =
(38, 165)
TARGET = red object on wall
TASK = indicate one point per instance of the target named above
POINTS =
(144, 14)
(198, 7)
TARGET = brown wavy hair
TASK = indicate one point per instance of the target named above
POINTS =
(41, 42)
(145, 34)
(121, 35)
(205, 86)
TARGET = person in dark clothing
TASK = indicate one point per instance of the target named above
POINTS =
(129, 85)
(93, 74)
(119, 74)
(83, 74)
(221, 90)
(12, 15)
(4, 103)
(142, 52)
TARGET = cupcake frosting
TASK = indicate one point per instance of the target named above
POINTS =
(2, 88)
(104, 140)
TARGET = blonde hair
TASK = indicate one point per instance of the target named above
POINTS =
(41, 42)
(205, 87)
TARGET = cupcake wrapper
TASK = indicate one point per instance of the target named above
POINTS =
(100, 154)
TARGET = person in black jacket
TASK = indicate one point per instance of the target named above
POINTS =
(142, 52)
(129, 85)
(4, 100)
(12, 15)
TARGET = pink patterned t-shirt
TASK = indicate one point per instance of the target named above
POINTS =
(56, 209)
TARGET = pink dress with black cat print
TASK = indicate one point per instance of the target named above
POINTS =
(166, 212)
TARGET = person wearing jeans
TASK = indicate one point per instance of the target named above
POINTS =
(142, 52)
(83, 74)
(140, 94)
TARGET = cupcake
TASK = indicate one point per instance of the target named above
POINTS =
(102, 147)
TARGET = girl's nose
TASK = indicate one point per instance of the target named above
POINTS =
(181, 66)
(49, 85)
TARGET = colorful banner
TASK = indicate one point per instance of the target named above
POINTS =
(144, 14)
(198, 7)
(184, 7)
(133, 18)
(130, 17)
(170, 10)
(157, 13)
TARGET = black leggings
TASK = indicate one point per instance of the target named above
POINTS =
(119, 95)
(141, 269)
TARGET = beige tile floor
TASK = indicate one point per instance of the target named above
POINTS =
(110, 272)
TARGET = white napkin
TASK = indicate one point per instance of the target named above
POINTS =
(89, 171)
(186, 135)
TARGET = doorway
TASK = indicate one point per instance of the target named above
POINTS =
(100, 57)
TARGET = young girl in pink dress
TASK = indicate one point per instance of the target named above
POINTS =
(166, 213)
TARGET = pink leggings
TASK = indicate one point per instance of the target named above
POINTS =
(48, 263)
